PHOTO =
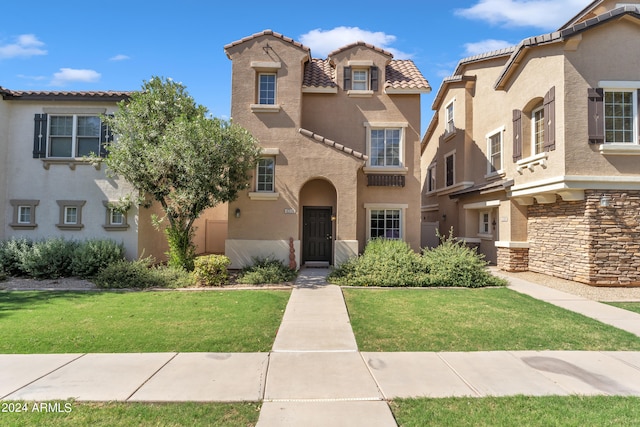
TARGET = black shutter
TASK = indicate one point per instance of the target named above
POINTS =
(40, 136)
(595, 110)
(347, 78)
(550, 120)
(517, 135)
(106, 137)
(374, 78)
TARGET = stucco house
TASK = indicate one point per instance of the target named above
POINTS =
(532, 153)
(340, 138)
(48, 190)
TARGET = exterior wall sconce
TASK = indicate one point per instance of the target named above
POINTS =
(493, 223)
(444, 217)
(333, 218)
(237, 212)
(605, 201)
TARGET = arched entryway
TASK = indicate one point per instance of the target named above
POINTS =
(318, 200)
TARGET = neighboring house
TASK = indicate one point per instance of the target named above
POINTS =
(47, 188)
(340, 140)
(532, 154)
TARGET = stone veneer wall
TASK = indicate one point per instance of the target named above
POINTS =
(513, 259)
(587, 243)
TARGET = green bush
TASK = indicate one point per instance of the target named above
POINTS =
(3, 276)
(49, 259)
(452, 263)
(266, 270)
(211, 270)
(384, 262)
(141, 274)
(94, 255)
(11, 253)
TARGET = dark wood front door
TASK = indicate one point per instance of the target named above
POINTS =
(317, 235)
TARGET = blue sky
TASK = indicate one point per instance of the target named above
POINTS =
(115, 45)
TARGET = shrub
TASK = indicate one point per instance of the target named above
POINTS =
(452, 263)
(49, 259)
(384, 262)
(141, 274)
(211, 270)
(266, 270)
(11, 253)
(3, 276)
(94, 255)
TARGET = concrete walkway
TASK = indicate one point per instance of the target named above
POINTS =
(315, 375)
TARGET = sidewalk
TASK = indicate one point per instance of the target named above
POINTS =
(316, 376)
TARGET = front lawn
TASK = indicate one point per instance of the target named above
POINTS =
(472, 320)
(529, 411)
(131, 322)
(631, 306)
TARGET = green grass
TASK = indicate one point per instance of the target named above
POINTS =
(106, 322)
(528, 411)
(137, 414)
(631, 306)
(473, 320)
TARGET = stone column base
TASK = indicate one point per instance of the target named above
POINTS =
(513, 259)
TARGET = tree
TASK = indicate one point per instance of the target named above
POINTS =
(167, 149)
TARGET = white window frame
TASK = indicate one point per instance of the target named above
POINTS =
(113, 217)
(449, 112)
(375, 126)
(273, 175)
(491, 169)
(534, 130)
(24, 211)
(360, 84)
(275, 88)
(451, 154)
(74, 135)
(70, 215)
(110, 212)
(387, 207)
(634, 118)
(482, 223)
(18, 206)
(65, 208)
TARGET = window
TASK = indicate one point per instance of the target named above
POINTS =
(449, 118)
(494, 151)
(70, 214)
(449, 169)
(537, 130)
(485, 222)
(74, 136)
(24, 214)
(265, 174)
(115, 218)
(619, 116)
(360, 80)
(267, 88)
(385, 147)
(431, 178)
(385, 223)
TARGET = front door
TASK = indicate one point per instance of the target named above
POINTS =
(317, 236)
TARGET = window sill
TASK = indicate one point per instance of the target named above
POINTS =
(116, 227)
(265, 108)
(386, 170)
(70, 226)
(72, 162)
(258, 195)
(628, 149)
(495, 175)
(17, 226)
(360, 93)
(532, 161)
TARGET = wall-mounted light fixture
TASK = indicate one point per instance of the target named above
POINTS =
(493, 223)
(444, 217)
(237, 212)
(605, 201)
(333, 218)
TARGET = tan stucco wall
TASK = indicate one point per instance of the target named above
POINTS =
(4, 145)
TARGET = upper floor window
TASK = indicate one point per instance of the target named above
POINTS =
(449, 168)
(265, 176)
(267, 88)
(450, 125)
(537, 130)
(74, 136)
(431, 178)
(494, 149)
(620, 112)
(385, 147)
(361, 80)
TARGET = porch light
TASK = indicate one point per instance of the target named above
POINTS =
(605, 201)
(444, 217)
(237, 212)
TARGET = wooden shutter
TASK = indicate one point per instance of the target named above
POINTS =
(517, 135)
(106, 136)
(347, 78)
(40, 136)
(595, 111)
(374, 78)
(550, 120)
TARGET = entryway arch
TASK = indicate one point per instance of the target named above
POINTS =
(318, 200)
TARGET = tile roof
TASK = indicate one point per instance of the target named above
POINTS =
(404, 76)
(64, 95)
(332, 144)
(360, 43)
(319, 73)
(266, 33)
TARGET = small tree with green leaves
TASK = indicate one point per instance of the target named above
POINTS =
(168, 150)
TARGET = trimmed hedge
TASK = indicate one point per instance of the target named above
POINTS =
(141, 274)
(266, 270)
(211, 270)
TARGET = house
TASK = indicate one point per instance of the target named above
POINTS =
(532, 153)
(340, 142)
(47, 188)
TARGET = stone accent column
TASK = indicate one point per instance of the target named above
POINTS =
(513, 259)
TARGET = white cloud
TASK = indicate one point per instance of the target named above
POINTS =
(26, 45)
(484, 46)
(544, 14)
(322, 42)
(70, 75)
(35, 78)
(119, 57)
